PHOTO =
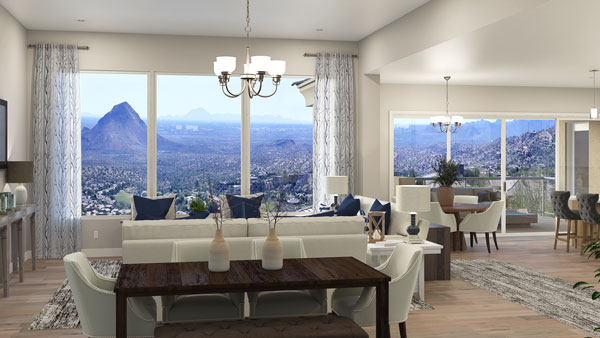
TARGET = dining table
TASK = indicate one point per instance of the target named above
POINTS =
(160, 279)
(456, 209)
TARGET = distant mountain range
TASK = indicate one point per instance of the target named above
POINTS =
(120, 130)
(475, 132)
(202, 115)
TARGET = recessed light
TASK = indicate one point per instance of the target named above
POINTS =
(81, 20)
(320, 30)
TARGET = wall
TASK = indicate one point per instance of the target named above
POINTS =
(594, 157)
(170, 54)
(499, 101)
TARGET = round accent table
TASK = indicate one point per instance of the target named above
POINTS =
(456, 209)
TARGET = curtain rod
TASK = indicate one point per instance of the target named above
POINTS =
(314, 55)
(78, 47)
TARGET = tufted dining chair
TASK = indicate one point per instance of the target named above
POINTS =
(560, 206)
(587, 204)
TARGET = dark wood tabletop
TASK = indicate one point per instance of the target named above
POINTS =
(248, 276)
(460, 207)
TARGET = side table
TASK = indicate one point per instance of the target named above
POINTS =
(437, 267)
(13, 236)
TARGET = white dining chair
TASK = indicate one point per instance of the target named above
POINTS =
(287, 302)
(466, 199)
(438, 216)
(486, 222)
(204, 307)
(359, 303)
(95, 301)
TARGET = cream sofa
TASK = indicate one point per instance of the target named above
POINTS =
(152, 241)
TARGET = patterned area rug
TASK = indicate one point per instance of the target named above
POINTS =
(60, 311)
(547, 295)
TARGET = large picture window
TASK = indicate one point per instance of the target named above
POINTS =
(113, 141)
(281, 145)
(198, 137)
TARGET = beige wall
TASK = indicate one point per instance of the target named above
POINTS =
(594, 157)
(170, 54)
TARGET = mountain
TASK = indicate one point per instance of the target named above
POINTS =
(202, 115)
(120, 130)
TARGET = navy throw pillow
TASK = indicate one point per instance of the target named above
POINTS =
(150, 209)
(322, 214)
(377, 206)
(244, 207)
(350, 206)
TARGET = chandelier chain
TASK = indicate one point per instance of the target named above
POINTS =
(248, 29)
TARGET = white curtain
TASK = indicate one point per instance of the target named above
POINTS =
(56, 150)
(333, 123)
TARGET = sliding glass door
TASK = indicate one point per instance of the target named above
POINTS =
(517, 156)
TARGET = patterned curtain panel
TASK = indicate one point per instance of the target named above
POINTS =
(56, 150)
(333, 123)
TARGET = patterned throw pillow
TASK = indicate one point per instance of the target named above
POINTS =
(243, 207)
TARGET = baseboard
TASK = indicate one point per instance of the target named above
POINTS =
(103, 252)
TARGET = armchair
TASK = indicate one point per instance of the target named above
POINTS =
(437, 215)
(486, 221)
(95, 301)
(288, 302)
(359, 303)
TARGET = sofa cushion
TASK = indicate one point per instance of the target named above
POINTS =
(377, 206)
(181, 229)
(244, 207)
(296, 226)
(350, 206)
(151, 209)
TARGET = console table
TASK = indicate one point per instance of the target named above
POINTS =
(11, 235)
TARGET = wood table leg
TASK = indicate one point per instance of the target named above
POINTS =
(14, 249)
(382, 312)
(461, 236)
(32, 239)
(21, 250)
(121, 314)
(4, 233)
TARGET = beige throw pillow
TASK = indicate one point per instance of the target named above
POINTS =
(170, 215)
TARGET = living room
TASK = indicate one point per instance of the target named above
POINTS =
(147, 113)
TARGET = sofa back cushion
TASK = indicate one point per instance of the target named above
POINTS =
(296, 226)
(196, 250)
(181, 229)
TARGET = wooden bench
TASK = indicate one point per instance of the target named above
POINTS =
(327, 326)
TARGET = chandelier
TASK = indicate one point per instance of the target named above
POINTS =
(446, 123)
(255, 69)
(594, 109)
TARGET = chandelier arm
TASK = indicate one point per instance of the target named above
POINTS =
(257, 92)
(273, 93)
(228, 93)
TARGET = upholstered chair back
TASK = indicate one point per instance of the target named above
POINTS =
(587, 203)
(292, 248)
(196, 250)
(95, 301)
(560, 205)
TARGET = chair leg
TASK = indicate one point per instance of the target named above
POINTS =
(471, 235)
(556, 234)
(402, 328)
(487, 241)
(584, 237)
(495, 241)
(569, 234)
(475, 236)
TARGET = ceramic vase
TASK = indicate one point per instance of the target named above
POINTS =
(218, 253)
(272, 253)
(445, 195)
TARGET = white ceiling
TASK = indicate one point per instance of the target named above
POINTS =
(551, 45)
(345, 20)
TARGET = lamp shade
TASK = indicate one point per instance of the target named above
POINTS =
(412, 198)
(336, 185)
(19, 172)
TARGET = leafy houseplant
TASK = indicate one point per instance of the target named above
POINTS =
(594, 250)
(447, 175)
(198, 208)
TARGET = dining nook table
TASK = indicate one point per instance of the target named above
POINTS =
(456, 209)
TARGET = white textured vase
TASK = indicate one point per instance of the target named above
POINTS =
(20, 194)
(218, 253)
(272, 253)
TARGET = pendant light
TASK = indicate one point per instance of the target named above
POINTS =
(594, 109)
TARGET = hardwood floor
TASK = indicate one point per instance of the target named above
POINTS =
(462, 310)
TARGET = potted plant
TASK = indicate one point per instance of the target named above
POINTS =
(198, 208)
(447, 174)
(594, 251)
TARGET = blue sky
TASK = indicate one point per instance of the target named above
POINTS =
(178, 94)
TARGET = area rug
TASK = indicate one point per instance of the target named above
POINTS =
(60, 311)
(547, 295)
